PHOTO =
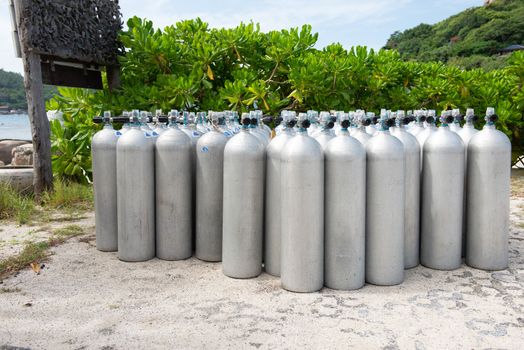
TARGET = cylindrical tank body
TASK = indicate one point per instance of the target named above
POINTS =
(302, 264)
(412, 196)
(418, 125)
(423, 135)
(173, 186)
(345, 215)
(489, 171)
(466, 133)
(103, 150)
(442, 195)
(455, 126)
(273, 201)
(209, 187)
(136, 196)
(384, 210)
(243, 213)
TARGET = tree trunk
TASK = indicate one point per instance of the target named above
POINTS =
(43, 172)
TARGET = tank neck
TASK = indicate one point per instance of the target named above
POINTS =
(490, 127)
(343, 132)
(302, 131)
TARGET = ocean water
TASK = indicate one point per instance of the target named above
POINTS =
(15, 127)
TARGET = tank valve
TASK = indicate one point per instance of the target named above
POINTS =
(344, 124)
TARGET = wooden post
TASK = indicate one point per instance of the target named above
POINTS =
(43, 172)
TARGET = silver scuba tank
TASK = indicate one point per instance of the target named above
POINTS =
(243, 212)
(488, 193)
(173, 187)
(326, 133)
(103, 150)
(442, 195)
(412, 191)
(466, 133)
(136, 193)
(302, 255)
(423, 135)
(273, 200)
(345, 215)
(384, 210)
(457, 118)
(209, 195)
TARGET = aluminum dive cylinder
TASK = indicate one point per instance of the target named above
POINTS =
(385, 193)
(326, 133)
(253, 129)
(345, 211)
(418, 125)
(103, 150)
(302, 256)
(466, 133)
(488, 192)
(442, 196)
(136, 193)
(423, 135)
(273, 200)
(359, 131)
(412, 191)
(209, 187)
(243, 212)
(160, 126)
(457, 118)
(174, 200)
(371, 128)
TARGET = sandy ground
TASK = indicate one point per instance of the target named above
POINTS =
(86, 299)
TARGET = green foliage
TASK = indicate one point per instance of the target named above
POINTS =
(478, 31)
(12, 92)
(70, 142)
(190, 66)
(14, 205)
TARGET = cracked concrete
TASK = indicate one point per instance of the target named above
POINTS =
(86, 299)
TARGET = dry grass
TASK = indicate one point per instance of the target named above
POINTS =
(37, 252)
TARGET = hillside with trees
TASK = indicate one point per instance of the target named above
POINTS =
(470, 39)
(12, 93)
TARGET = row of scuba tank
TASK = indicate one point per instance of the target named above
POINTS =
(325, 199)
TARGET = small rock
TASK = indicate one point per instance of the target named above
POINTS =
(22, 155)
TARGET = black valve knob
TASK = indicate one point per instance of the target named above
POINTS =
(344, 124)
(305, 124)
(366, 122)
(246, 121)
(330, 125)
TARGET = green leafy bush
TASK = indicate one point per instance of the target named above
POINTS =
(190, 66)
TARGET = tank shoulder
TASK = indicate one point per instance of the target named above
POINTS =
(444, 139)
(345, 147)
(173, 136)
(212, 137)
(490, 138)
(384, 142)
(306, 146)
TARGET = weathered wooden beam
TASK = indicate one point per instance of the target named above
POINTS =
(40, 131)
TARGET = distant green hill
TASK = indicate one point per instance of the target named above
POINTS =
(12, 93)
(469, 39)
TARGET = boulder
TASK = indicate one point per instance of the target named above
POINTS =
(6, 149)
(20, 178)
(22, 155)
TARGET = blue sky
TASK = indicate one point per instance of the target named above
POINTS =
(350, 22)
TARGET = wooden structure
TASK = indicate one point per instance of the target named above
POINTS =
(62, 42)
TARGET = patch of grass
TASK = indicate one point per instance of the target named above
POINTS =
(14, 205)
(37, 252)
(69, 231)
(32, 252)
(69, 195)
(10, 290)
